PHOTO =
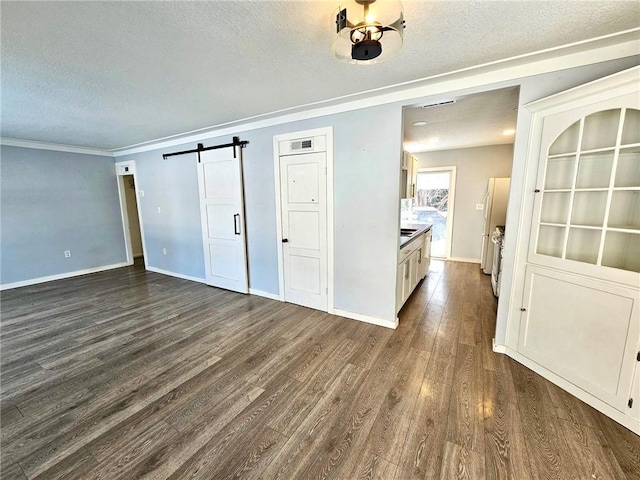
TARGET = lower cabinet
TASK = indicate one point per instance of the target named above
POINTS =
(586, 331)
(412, 267)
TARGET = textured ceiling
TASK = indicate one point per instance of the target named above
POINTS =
(113, 74)
(471, 121)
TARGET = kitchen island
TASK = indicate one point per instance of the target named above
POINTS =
(413, 259)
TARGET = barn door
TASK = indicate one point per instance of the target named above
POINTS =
(222, 214)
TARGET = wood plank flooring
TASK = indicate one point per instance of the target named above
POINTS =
(129, 374)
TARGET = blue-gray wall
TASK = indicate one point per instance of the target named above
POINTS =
(367, 149)
(55, 201)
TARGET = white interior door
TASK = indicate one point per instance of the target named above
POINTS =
(222, 214)
(303, 195)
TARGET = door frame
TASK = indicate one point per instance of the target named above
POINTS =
(123, 169)
(452, 197)
(328, 133)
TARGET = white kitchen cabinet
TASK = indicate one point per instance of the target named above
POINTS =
(580, 319)
(582, 329)
(426, 254)
(409, 170)
(413, 265)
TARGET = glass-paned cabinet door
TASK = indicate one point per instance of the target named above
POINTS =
(587, 207)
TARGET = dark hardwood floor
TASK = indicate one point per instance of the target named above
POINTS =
(128, 373)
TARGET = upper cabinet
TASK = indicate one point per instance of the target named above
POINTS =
(587, 208)
(409, 175)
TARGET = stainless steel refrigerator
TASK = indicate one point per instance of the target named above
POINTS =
(495, 213)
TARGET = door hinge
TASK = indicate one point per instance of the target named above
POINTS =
(523, 309)
(638, 357)
(630, 403)
(537, 190)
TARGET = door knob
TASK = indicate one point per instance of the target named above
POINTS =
(285, 240)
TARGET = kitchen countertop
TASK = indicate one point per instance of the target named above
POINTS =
(420, 227)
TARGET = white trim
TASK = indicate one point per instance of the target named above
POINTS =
(366, 318)
(327, 132)
(626, 420)
(610, 85)
(262, 293)
(586, 52)
(465, 260)
(125, 214)
(60, 276)
(452, 198)
(498, 348)
(16, 142)
(176, 275)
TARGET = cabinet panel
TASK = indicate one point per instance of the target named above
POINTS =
(583, 245)
(583, 330)
(555, 207)
(601, 129)
(631, 129)
(551, 240)
(628, 171)
(594, 170)
(416, 268)
(406, 279)
(622, 250)
(625, 210)
(560, 173)
(588, 208)
(634, 411)
(567, 141)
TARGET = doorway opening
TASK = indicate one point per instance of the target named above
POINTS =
(130, 210)
(134, 220)
(473, 132)
(434, 201)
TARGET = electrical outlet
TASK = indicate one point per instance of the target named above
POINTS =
(164, 251)
(67, 254)
(141, 193)
(479, 206)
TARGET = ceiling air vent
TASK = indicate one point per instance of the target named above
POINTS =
(439, 104)
(302, 144)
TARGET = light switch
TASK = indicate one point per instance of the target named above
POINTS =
(159, 210)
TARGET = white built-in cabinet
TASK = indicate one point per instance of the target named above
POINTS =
(409, 170)
(580, 316)
(413, 265)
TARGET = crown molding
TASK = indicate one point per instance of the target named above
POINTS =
(14, 142)
(586, 52)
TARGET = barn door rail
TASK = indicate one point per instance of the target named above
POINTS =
(201, 148)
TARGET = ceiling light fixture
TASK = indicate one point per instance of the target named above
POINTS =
(371, 34)
(509, 131)
(419, 123)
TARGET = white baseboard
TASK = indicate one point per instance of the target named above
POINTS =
(611, 412)
(465, 260)
(60, 276)
(262, 293)
(366, 318)
(498, 348)
(177, 275)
